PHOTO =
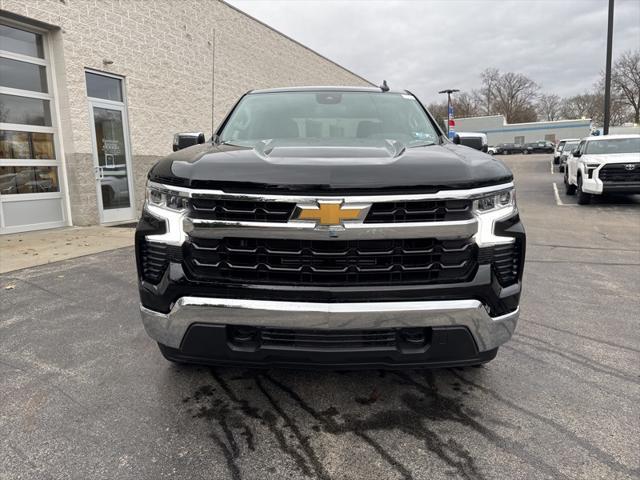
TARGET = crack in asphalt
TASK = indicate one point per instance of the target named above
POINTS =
(495, 438)
(25, 458)
(583, 262)
(579, 335)
(569, 373)
(592, 449)
(574, 357)
(35, 285)
(575, 247)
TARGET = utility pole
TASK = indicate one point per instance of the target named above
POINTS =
(449, 110)
(213, 80)
(607, 75)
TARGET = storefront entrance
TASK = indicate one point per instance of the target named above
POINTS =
(111, 150)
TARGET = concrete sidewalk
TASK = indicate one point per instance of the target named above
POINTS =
(29, 249)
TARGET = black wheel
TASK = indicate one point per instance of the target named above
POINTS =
(556, 161)
(568, 188)
(526, 152)
(504, 152)
(561, 168)
(583, 198)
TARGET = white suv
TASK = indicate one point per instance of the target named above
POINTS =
(601, 165)
(557, 153)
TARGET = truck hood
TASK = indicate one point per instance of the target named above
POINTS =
(612, 158)
(314, 167)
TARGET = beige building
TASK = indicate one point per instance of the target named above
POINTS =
(499, 131)
(91, 93)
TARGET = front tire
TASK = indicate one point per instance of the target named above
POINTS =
(556, 161)
(568, 188)
(561, 168)
(583, 198)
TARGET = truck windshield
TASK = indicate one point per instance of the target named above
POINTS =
(569, 146)
(329, 118)
(614, 145)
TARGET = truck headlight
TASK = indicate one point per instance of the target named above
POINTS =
(167, 198)
(488, 210)
(495, 201)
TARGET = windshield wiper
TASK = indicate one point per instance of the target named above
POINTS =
(422, 144)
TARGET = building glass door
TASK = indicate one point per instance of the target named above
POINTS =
(112, 156)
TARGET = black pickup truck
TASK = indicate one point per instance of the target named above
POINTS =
(329, 227)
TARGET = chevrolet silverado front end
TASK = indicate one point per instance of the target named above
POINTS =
(330, 227)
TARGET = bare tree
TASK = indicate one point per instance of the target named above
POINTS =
(440, 113)
(585, 105)
(625, 80)
(621, 111)
(465, 105)
(515, 95)
(485, 95)
(548, 107)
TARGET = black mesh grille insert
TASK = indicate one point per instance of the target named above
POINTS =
(328, 339)
(241, 210)
(332, 262)
(618, 172)
(154, 261)
(423, 211)
(506, 261)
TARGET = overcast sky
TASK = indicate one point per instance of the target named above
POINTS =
(428, 45)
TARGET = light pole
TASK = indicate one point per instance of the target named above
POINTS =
(607, 75)
(449, 111)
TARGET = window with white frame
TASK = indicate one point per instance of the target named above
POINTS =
(29, 157)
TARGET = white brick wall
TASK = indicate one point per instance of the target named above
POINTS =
(164, 49)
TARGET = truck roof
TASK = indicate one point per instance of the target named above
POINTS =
(610, 137)
(321, 88)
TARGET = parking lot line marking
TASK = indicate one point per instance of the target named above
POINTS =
(559, 201)
(557, 195)
(551, 163)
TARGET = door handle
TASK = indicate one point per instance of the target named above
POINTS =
(99, 173)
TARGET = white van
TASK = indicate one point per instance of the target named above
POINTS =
(473, 140)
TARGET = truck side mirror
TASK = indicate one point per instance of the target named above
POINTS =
(184, 140)
(456, 139)
(576, 153)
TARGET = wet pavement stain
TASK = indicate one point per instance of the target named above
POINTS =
(240, 416)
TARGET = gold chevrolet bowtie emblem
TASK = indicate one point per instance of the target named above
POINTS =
(330, 213)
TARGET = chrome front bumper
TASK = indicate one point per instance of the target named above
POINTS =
(488, 332)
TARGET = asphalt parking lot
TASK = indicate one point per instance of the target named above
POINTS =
(84, 393)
